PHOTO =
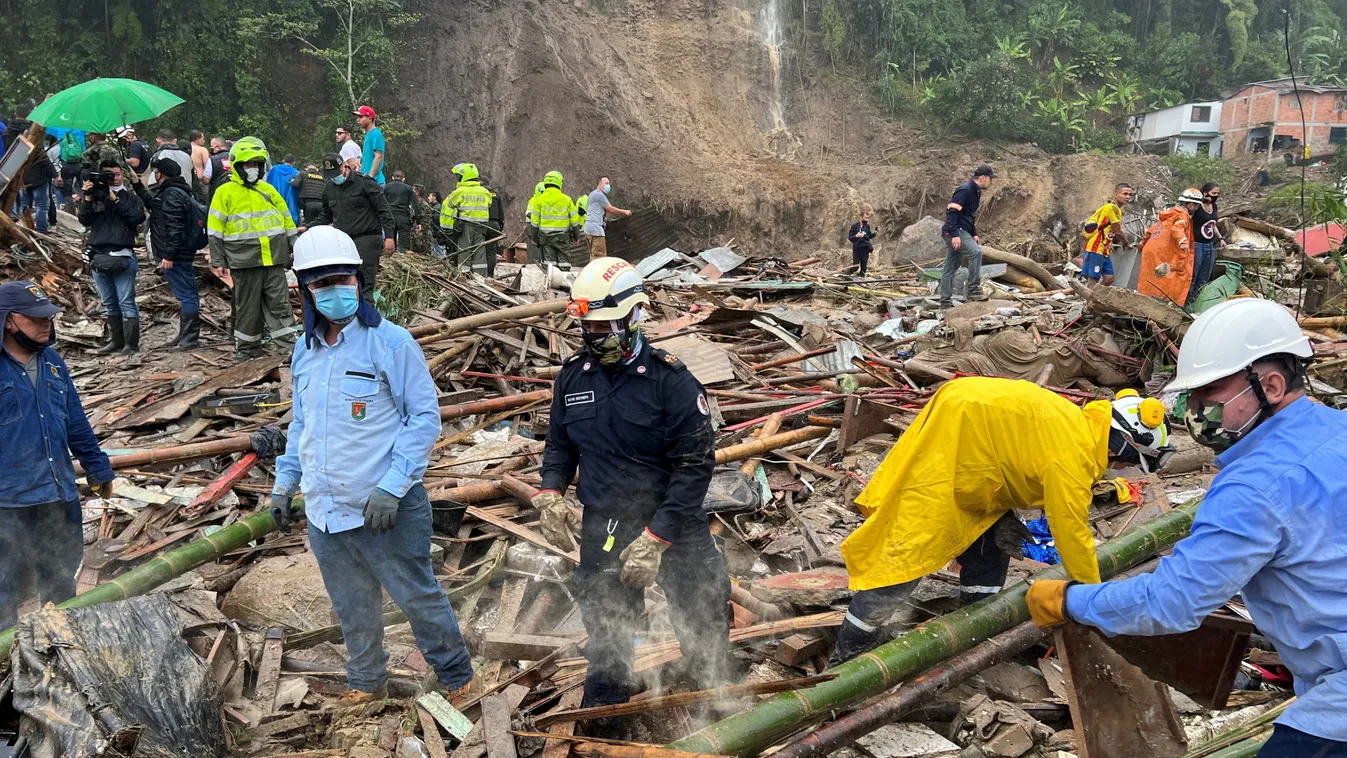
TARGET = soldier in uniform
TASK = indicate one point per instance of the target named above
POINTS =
(635, 422)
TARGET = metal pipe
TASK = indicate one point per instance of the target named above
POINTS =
(494, 404)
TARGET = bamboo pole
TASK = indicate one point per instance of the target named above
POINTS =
(454, 326)
(493, 405)
(789, 359)
(937, 640)
(238, 444)
(759, 446)
(453, 352)
(168, 566)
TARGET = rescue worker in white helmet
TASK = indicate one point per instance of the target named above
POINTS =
(366, 417)
(948, 490)
(1270, 528)
(636, 423)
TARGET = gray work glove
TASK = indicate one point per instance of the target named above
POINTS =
(381, 511)
(556, 520)
(282, 509)
(1009, 534)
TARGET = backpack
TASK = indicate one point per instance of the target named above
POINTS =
(71, 149)
(196, 225)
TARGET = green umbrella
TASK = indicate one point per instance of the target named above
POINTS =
(101, 105)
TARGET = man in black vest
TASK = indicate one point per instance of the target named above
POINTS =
(405, 206)
(309, 184)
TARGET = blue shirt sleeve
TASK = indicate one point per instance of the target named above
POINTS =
(81, 439)
(414, 393)
(1237, 531)
(288, 471)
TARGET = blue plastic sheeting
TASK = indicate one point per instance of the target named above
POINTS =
(1043, 549)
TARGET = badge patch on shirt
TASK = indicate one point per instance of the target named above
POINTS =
(53, 371)
(579, 398)
(701, 405)
(358, 411)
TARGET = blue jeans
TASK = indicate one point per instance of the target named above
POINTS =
(357, 563)
(45, 543)
(967, 247)
(182, 280)
(39, 199)
(118, 290)
(1293, 743)
(1204, 259)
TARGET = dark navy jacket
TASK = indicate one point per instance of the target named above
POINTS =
(41, 429)
(963, 206)
(641, 436)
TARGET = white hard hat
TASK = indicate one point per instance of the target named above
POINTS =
(1233, 335)
(325, 246)
(1191, 195)
(1142, 422)
(606, 289)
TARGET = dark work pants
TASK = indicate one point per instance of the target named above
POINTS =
(402, 232)
(861, 260)
(40, 547)
(370, 247)
(310, 210)
(261, 300)
(693, 577)
(1293, 743)
(554, 247)
(982, 573)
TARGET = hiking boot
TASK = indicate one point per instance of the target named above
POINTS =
(249, 352)
(360, 697)
(977, 297)
(463, 694)
(131, 330)
(116, 337)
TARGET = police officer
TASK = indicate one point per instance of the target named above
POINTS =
(309, 185)
(636, 423)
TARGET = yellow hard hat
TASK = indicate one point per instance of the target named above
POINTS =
(605, 290)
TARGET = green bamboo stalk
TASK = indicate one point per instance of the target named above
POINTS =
(1245, 749)
(170, 565)
(765, 724)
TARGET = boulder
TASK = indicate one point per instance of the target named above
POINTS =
(284, 589)
(919, 243)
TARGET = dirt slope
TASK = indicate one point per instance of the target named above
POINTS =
(673, 99)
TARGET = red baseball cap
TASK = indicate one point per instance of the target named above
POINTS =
(365, 110)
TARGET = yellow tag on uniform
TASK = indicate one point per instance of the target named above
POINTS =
(608, 544)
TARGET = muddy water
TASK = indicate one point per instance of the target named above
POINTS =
(773, 37)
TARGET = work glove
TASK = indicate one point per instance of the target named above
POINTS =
(103, 490)
(1047, 602)
(640, 560)
(1162, 270)
(1009, 534)
(282, 509)
(557, 520)
(381, 511)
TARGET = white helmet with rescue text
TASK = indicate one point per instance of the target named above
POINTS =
(1233, 336)
(606, 289)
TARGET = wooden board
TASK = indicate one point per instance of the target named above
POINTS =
(1117, 710)
(521, 647)
(172, 407)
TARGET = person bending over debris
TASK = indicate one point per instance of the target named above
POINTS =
(249, 228)
(635, 422)
(1100, 232)
(948, 489)
(1271, 527)
(365, 420)
(1167, 252)
(961, 237)
(41, 533)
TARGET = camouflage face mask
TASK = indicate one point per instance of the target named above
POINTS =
(1206, 423)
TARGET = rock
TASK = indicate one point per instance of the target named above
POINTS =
(285, 589)
(1011, 742)
(1015, 683)
(906, 740)
(920, 243)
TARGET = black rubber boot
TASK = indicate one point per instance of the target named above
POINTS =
(116, 338)
(190, 338)
(131, 328)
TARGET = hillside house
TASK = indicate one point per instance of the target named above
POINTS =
(1265, 117)
(1189, 129)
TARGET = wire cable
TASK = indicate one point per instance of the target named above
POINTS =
(1302, 159)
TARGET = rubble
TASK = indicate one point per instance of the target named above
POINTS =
(810, 375)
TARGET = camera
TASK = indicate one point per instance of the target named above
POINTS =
(102, 179)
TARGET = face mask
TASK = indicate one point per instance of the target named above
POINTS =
(251, 174)
(339, 179)
(1206, 423)
(28, 343)
(607, 189)
(338, 302)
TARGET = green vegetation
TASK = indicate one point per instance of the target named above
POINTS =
(236, 63)
(1196, 170)
(1066, 73)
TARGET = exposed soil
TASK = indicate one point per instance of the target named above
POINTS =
(672, 98)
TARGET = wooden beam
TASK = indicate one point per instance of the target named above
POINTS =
(521, 647)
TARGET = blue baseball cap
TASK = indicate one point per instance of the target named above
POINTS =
(28, 299)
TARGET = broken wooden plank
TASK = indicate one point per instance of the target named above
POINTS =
(173, 407)
(800, 648)
(523, 533)
(522, 647)
(269, 670)
(496, 727)
(222, 484)
(430, 734)
(455, 723)
(559, 748)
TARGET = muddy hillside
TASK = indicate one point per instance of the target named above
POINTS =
(700, 109)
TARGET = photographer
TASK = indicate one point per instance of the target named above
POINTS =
(112, 213)
(170, 227)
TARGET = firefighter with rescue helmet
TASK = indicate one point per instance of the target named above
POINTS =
(636, 424)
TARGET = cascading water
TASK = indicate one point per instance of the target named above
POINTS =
(780, 141)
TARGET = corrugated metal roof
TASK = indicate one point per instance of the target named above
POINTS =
(706, 361)
(647, 232)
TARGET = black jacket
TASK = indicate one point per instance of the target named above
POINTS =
(112, 225)
(402, 200)
(962, 209)
(40, 171)
(14, 128)
(861, 244)
(219, 170)
(309, 185)
(356, 206)
(642, 439)
(170, 213)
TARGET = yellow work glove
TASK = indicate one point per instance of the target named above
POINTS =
(103, 490)
(556, 518)
(1047, 602)
(640, 560)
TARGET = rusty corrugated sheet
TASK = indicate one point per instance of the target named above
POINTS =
(645, 233)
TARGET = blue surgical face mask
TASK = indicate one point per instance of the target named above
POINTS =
(607, 189)
(339, 179)
(338, 302)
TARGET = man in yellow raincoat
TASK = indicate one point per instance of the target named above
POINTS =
(981, 448)
(1166, 269)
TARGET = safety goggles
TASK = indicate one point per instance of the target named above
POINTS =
(580, 307)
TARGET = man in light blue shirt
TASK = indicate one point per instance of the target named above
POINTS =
(373, 150)
(365, 420)
(1273, 526)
